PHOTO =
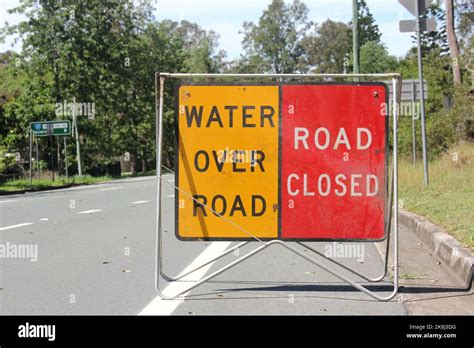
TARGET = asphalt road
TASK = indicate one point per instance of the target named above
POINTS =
(96, 255)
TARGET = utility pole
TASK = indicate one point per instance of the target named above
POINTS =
(422, 94)
(78, 143)
(355, 35)
(31, 156)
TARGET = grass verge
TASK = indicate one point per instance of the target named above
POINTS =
(448, 201)
(43, 184)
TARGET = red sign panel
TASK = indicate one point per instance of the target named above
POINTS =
(333, 161)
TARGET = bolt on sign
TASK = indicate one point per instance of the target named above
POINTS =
(304, 161)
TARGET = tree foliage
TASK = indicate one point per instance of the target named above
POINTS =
(368, 29)
(105, 53)
(374, 58)
(328, 46)
(274, 44)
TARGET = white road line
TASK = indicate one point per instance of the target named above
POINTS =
(111, 188)
(44, 219)
(166, 307)
(170, 196)
(84, 187)
(10, 200)
(140, 202)
(15, 226)
(90, 211)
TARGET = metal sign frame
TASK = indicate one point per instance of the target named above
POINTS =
(396, 79)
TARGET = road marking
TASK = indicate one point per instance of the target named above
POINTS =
(15, 226)
(170, 196)
(166, 307)
(111, 188)
(140, 202)
(10, 200)
(44, 219)
(90, 211)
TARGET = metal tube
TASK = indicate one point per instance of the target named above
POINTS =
(65, 157)
(191, 75)
(37, 159)
(78, 143)
(355, 35)
(422, 95)
(413, 101)
(159, 138)
(396, 98)
(31, 157)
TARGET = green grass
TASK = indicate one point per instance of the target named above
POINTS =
(449, 199)
(41, 184)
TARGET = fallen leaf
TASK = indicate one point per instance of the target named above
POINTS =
(126, 271)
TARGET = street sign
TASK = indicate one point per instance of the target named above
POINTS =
(409, 26)
(227, 160)
(410, 5)
(408, 94)
(333, 161)
(51, 128)
(314, 170)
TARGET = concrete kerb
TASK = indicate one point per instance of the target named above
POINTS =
(451, 252)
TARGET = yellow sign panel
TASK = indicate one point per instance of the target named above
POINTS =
(227, 161)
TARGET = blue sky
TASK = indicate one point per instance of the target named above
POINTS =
(226, 18)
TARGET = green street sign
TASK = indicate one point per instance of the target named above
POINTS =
(51, 128)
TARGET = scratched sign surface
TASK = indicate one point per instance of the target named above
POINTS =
(281, 161)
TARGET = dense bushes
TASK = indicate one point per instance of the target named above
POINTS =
(443, 128)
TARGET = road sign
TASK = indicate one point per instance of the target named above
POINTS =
(408, 94)
(227, 160)
(51, 128)
(410, 5)
(333, 161)
(409, 26)
(314, 170)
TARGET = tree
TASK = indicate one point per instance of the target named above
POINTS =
(275, 43)
(328, 47)
(436, 39)
(201, 46)
(374, 58)
(464, 16)
(102, 53)
(368, 30)
(453, 42)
